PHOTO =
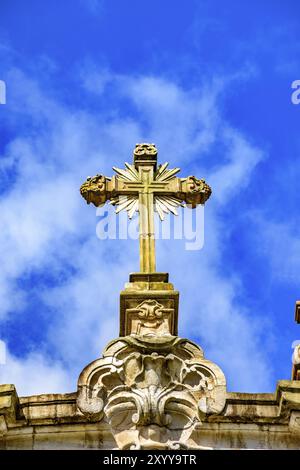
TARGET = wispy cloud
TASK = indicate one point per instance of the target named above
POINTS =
(279, 244)
(35, 374)
(94, 6)
(46, 226)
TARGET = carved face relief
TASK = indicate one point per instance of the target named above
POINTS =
(94, 190)
(197, 191)
(149, 318)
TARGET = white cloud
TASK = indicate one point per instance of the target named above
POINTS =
(242, 159)
(46, 226)
(278, 242)
(36, 374)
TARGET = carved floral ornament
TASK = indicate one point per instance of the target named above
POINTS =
(154, 392)
(296, 363)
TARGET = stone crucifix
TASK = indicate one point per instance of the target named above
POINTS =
(146, 188)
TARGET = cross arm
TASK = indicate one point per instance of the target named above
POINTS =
(191, 190)
(98, 189)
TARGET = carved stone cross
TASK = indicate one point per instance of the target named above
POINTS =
(146, 188)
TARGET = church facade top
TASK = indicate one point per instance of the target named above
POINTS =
(152, 389)
(145, 187)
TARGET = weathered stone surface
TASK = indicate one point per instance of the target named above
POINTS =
(248, 421)
(296, 363)
(153, 390)
(148, 305)
(10, 410)
(297, 311)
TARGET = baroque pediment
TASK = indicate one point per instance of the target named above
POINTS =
(153, 391)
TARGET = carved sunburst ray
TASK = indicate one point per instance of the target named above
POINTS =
(127, 175)
(166, 204)
(163, 174)
(163, 204)
(128, 203)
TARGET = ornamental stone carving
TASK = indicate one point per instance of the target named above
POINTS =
(148, 306)
(94, 190)
(153, 391)
(144, 151)
(296, 363)
(196, 191)
(149, 318)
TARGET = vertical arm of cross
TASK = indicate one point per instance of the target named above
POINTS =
(146, 221)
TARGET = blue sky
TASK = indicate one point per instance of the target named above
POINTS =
(210, 83)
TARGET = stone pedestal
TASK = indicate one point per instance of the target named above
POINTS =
(297, 311)
(148, 305)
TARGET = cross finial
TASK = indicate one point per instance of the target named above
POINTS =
(144, 187)
(143, 154)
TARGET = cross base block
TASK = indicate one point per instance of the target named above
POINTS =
(149, 306)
